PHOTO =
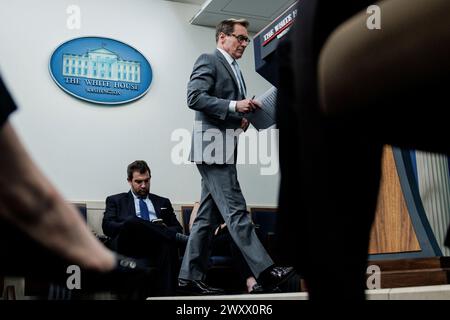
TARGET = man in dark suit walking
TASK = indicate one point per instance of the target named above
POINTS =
(143, 225)
(216, 91)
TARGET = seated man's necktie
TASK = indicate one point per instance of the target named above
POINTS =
(145, 214)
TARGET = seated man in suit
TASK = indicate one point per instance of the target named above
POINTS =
(143, 225)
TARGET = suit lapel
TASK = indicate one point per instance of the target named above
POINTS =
(156, 205)
(131, 207)
(228, 67)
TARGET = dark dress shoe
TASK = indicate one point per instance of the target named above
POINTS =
(275, 276)
(197, 287)
(258, 289)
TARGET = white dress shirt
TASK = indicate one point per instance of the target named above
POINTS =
(230, 60)
(151, 208)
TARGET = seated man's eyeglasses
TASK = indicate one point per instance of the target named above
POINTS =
(241, 38)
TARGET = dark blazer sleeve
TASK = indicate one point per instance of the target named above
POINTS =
(111, 223)
(169, 217)
(201, 86)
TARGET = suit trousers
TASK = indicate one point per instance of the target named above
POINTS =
(222, 196)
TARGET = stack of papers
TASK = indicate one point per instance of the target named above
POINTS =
(264, 117)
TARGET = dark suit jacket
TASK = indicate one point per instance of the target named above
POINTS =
(120, 208)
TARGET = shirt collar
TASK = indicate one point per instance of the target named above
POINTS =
(227, 56)
(137, 197)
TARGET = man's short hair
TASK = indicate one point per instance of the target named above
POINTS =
(227, 26)
(140, 166)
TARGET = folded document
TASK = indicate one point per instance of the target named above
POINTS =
(265, 116)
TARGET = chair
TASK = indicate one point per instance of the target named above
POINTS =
(265, 220)
(215, 260)
(186, 212)
(82, 208)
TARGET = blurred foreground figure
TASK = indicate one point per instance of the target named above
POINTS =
(344, 92)
(41, 235)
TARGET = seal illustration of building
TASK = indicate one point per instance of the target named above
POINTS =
(101, 64)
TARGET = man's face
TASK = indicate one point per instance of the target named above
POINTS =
(140, 183)
(231, 44)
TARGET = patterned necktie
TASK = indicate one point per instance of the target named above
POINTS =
(239, 78)
(145, 214)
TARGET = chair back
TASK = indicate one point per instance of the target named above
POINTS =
(265, 219)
